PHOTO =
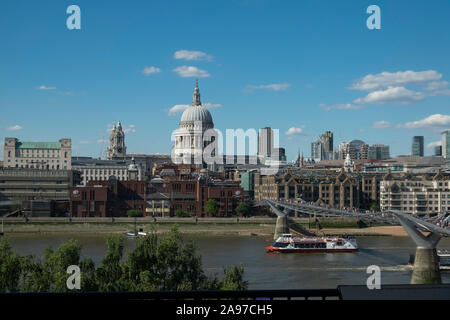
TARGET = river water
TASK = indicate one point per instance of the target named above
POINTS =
(267, 270)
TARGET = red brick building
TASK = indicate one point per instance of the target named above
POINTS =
(106, 199)
(157, 197)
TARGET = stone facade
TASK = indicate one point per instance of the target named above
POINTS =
(101, 170)
(335, 189)
(38, 155)
(195, 133)
(117, 148)
(415, 194)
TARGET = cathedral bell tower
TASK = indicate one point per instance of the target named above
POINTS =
(117, 148)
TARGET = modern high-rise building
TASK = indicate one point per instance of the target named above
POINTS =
(327, 141)
(438, 151)
(316, 151)
(446, 144)
(322, 148)
(417, 146)
(378, 152)
(358, 150)
(265, 142)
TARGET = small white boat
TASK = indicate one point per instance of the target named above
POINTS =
(140, 233)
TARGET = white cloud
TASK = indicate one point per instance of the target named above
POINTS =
(381, 125)
(340, 106)
(434, 144)
(191, 71)
(400, 78)
(150, 70)
(392, 95)
(126, 129)
(212, 105)
(46, 88)
(436, 85)
(129, 129)
(294, 131)
(14, 128)
(273, 86)
(434, 121)
(191, 55)
(178, 108)
(101, 140)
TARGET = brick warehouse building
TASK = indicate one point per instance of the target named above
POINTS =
(192, 195)
(107, 199)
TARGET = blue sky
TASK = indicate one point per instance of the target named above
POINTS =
(302, 67)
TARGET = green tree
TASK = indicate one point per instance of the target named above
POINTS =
(233, 279)
(10, 268)
(374, 206)
(182, 214)
(109, 272)
(89, 280)
(134, 213)
(157, 263)
(212, 207)
(243, 209)
(57, 261)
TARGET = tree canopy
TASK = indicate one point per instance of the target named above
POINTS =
(243, 209)
(166, 263)
(212, 207)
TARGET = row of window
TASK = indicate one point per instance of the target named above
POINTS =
(39, 153)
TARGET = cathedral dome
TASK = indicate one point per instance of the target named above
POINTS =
(196, 112)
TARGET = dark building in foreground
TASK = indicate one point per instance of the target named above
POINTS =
(108, 198)
(38, 192)
(158, 197)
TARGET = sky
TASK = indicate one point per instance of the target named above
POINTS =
(302, 67)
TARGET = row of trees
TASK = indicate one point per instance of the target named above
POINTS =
(211, 207)
(166, 263)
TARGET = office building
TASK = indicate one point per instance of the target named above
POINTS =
(446, 144)
(417, 146)
(322, 148)
(378, 152)
(265, 142)
(438, 151)
(38, 155)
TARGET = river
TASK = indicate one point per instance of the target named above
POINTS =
(265, 270)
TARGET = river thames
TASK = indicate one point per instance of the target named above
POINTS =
(268, 270)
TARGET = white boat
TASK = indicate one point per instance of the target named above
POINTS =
(140, 233)
(286, 243)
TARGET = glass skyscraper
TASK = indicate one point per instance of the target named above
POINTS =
(446, 144)
(417, 146)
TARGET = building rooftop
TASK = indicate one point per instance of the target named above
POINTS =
(86, 161)
(38, 145)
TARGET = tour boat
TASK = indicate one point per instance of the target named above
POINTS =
(286, 243)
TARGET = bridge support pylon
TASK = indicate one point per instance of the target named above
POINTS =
(282, 221)
(281, 227)
(426, 262)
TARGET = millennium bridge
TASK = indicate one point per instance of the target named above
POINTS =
(424, 231)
